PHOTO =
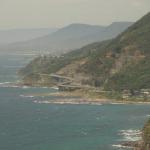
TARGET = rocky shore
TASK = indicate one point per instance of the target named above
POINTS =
(143, 144)
(136, 145)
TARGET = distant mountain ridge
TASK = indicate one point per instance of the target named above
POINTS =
(70, 37)
(16, 35)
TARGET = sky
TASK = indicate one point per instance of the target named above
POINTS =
(59, 13)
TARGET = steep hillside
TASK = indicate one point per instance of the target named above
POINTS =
(131, 68)
(118, 64)
(70, 37)
(54, 64)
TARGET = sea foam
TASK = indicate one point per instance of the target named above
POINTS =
(27, 96)
(130, 135)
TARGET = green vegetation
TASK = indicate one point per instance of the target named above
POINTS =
(44, 65)
(136, 76)
(115, 65)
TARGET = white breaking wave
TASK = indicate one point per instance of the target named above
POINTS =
(42, 102)
(64, 102)
(25, 87)
(8, 84)
(121, 146)
(130, 135)
(5, 83)
(26, 96)
(117, 103)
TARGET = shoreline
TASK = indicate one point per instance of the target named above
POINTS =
(81, 96)
(77, 98)
(135, 145)
(82, 102)
(91, 96)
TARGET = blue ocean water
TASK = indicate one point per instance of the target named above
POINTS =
(26, 125)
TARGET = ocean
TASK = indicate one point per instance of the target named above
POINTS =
(26, 124)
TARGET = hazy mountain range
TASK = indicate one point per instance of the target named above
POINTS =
(65, 39)
(18, 35)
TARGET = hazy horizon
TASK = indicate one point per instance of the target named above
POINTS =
(25, 14)
(57, 28)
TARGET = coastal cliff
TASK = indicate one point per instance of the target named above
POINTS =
(144, 143)
(146, 137)
(120, 65)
